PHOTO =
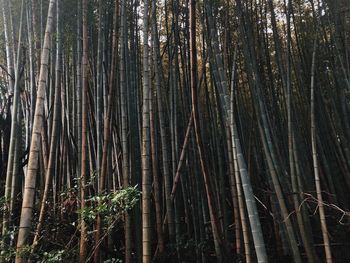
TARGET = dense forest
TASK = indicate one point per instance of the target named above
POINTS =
(175, 131)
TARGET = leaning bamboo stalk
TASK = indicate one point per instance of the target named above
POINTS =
(182, 157)
(291, 138)
(324, 230)
(193, 79)
(30, 180)
(269, 148)
(240, 164)
(55, 129)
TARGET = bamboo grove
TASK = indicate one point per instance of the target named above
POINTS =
(174, 130)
